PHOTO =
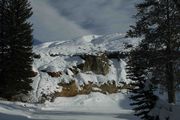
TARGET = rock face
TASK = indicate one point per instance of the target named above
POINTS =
(68, 89)
(96, 63)
(55, 74)
(96, 73)
(34, 74)
(71, 89)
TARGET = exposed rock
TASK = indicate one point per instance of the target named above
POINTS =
(69, 72)
(68, 90)
(51, 71)
(55, 74)
(36, 56)
(109, 88)
(96, 63)
(86, 89)
(74, 70)
(34, 74)
(71, 89)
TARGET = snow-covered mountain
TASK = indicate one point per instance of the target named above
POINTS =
(89, 61)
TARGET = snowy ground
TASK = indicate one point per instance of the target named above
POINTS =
(95, 106)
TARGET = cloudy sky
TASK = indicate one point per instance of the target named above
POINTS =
(67, 19)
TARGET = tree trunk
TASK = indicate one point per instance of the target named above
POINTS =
(170, 83)
(2, 46)
(170, 79)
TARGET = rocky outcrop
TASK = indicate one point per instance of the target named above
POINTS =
(77, 79)
(55, 74)
(51, 71)
(36, 56)
(96, 63)
(68, 89)
(34, 74)
(71, 89)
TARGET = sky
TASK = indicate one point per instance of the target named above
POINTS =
(57, 20)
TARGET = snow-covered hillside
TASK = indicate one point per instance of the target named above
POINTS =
(62, 58)
(66, 68)
(87, 44)
(57, 64)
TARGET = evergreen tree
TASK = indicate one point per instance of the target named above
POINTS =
(157, 23)
(19, 39)
(143, 98)
(3, 44)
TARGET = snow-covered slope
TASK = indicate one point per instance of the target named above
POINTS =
(61, 56)
(87, 44)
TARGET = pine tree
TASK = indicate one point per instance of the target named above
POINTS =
(19, 37)
(3, 44)
(157, 24)
(142, 90)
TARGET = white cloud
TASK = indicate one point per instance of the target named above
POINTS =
(67, 19)
(99, 16)
(49, 25)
